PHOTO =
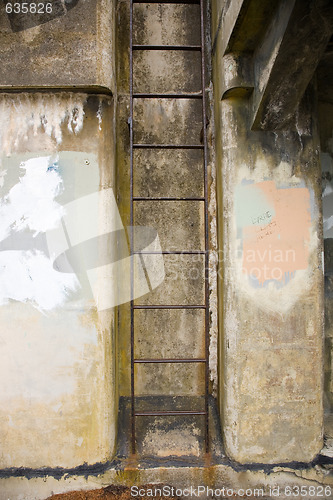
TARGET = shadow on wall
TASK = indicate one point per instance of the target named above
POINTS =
(23, 16)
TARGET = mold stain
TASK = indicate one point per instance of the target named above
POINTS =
(26, 113)
(275, 232)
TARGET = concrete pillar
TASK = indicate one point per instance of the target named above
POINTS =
(58, 213)
(271, 268)
(72, 47)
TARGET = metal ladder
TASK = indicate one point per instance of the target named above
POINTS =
(204, 199)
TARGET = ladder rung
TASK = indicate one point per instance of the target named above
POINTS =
(167, 96)
(164, 360)
(167, 413)
(165, 198)
(168, 307)
(166, 47)
(168, 146)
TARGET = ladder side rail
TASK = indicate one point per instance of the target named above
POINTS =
(204, 120)
(133, 446)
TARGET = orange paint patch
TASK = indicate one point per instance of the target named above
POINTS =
(274, 247)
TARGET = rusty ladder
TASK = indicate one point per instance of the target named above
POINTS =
(204, 199)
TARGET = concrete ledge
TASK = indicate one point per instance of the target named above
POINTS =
(228, 476)
(73, 47)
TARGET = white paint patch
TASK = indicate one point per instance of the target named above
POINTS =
(2, 176)
(28, 276)
(30, 205)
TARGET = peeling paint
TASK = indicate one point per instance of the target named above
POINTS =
(274, 219)
(30, 205)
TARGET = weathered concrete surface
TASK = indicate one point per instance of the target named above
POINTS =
(165, 436)
(166, 71)
(180, 224)
(271, 310)
(167, 121)
(170, 379)
(159, 436)
(272, 49)
(152, 173)
(75, 48)
(219, 476)
(58, 399)
(167, 335)
(119, 493)
(243, 23)
(287, 58)
(183, 283)
(272, 373)
(166, 24)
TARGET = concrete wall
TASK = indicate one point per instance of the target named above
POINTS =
(58, 401)
(71, 47)
(58, 356)
(270, 236)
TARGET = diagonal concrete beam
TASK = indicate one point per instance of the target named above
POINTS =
(287, 58)
(238, 28)
(241, 23)
(231, 16)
